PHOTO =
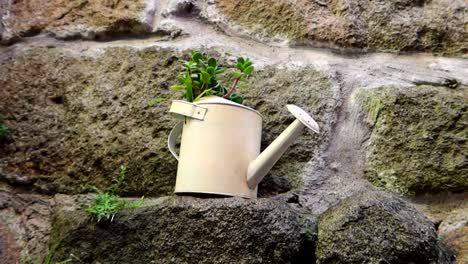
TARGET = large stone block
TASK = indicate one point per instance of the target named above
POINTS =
(449, 213)
(376, 227)
(25, 223)
(77, 18)
(75, 117)
(433, 26)
(188, 230)
(419, 140)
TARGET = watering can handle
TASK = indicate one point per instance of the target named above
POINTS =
(171, 140)
(183, 109)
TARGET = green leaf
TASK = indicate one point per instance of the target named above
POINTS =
(240, 66)
(212, 62)
(189, 64)
(189, 93)
(236, 98)
(177, 87)
(210, 70)
(181, 78)
(135, 204)
(4, 131)
(242, 79)
(220, 70)
(248, 70)
(156, 100)
(197, 56)
(237, 74)
(205, 77)
(206, 92)
(203, 73)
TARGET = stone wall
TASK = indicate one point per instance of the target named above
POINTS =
(76, 78)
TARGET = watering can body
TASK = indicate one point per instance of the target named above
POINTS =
(220, 147)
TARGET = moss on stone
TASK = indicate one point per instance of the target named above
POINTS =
(75, 18)
(419, 139)
(266, 17)
(376, 227)
(190, 230)
(437, 27)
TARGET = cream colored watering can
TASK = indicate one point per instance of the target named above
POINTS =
(220, 146)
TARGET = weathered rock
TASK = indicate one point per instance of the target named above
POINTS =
(76, 117)
(25, 222)
(3, 8)
(9, 251)
(419, 138)
(458, 241)
(376, 227)
(79, 18)
(189, 230)
(434, 26)
(454, 232)
(270, 90)
(72, 128)
(449, 212)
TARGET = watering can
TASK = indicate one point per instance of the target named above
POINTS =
(220, 146)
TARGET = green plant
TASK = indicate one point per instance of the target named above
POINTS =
(26, 259)
(107, 203)
(4, 131)
(203, 76)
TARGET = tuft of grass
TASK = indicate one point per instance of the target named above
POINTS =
(107, 203)
(4, 131)
(26, 259)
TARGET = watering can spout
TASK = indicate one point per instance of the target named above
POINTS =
(260, 166)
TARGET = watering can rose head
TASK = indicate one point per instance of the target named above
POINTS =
(202, 76)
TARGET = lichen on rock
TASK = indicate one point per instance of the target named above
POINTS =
(267, 19)
(432, 26)
(71, 19)
(418, 138)
(376, 227)
(189, 230)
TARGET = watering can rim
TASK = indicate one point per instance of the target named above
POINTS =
(213, 99)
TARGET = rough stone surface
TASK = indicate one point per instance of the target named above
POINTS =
(78, 109)
(270, 90)
(9, 250)
(74, 119)
(25, 223)
(376, 227)
(3, 8)
(458, 241)
(78, 18)
(449, 212)
(189, 230)
(419, 138)
(433, 26)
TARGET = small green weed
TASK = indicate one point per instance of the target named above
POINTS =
(4, 131)
(26, 259)
(106, 203)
